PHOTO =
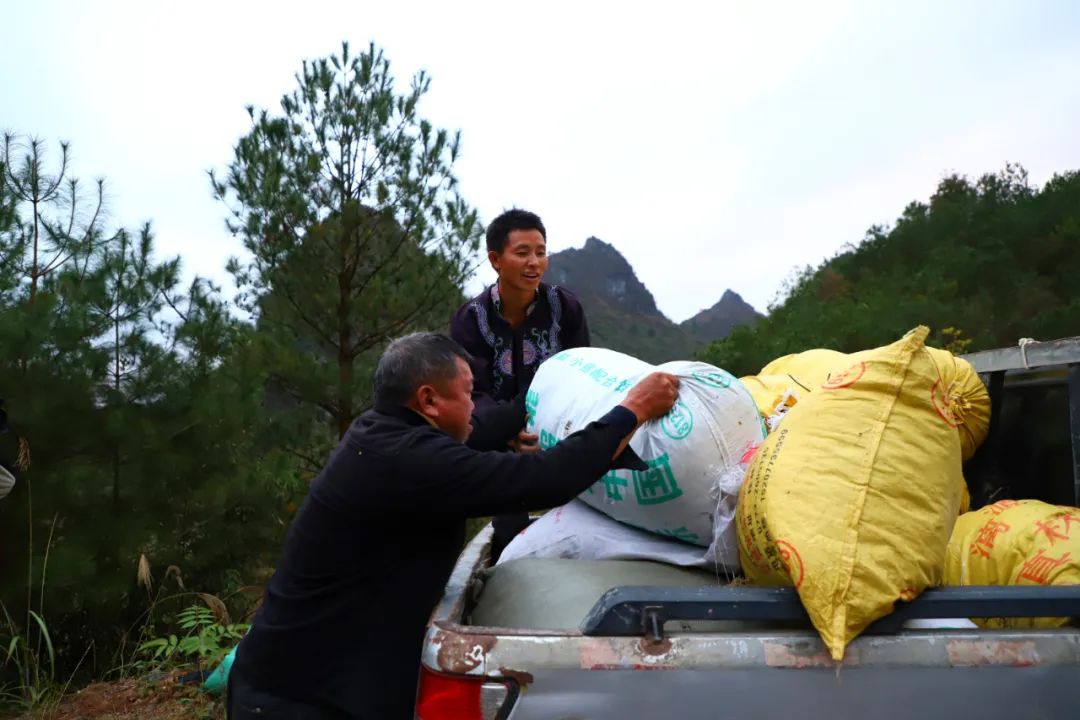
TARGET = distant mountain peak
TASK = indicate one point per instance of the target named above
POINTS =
(594, 243)
(723, 317)
(599, 272)
(622, 313)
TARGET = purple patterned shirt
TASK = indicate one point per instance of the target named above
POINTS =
(504, 360)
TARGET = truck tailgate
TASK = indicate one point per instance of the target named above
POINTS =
(943, 674)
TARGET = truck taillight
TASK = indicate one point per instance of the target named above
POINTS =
(460, 697)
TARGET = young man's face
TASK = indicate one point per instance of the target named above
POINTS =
(522, 263)
(450, 405)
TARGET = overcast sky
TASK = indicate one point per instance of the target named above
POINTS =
(716, 145)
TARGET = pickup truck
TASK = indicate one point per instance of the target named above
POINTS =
(573, 639)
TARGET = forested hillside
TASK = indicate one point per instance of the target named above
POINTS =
(984, 263)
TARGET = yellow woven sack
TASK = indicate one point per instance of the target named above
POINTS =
(960, 397)
(1016, 542)
(968, 400)
(852, 500)
(810, 368)
(773, 395)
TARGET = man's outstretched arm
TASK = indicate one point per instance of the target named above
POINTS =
(449, 477)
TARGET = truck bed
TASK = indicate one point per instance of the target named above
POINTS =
(740, 669)
(572, 639)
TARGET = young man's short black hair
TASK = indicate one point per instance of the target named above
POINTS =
(498, 232)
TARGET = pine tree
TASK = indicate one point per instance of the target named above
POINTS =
(134, 401)
(349, 207)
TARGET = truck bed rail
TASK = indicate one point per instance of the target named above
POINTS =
(632, 611)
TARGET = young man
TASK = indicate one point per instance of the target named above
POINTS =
(339, 632)
(514, 325)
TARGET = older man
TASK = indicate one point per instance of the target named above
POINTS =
(341, 625)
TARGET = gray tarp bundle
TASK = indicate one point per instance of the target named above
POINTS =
(557, 594)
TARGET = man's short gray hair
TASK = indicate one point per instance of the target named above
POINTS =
(412, 361)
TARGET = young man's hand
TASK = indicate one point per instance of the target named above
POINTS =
(525, 442)
(653, 397)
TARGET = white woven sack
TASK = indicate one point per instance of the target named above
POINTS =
(697, 454)
(577, 531)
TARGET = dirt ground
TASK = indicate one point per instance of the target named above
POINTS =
(165, 699)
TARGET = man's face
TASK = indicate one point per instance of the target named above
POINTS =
(523, 262)
(450, 404)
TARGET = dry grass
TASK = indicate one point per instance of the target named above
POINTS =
(143, 576)
(217, 606)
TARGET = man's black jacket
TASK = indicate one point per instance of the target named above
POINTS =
(371, 549)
